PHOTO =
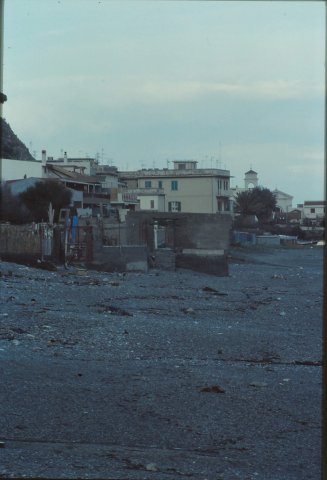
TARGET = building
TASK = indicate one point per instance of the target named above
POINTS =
(19, 186)
(83, 165)
(185, 188)
(314, 211)
(284, 201)
(15, 169)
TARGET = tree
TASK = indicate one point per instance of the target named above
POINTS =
(11, 207)
(257, 201)
(38, 198)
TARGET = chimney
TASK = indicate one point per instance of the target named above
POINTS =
(44, 157)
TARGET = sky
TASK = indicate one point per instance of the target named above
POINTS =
(231, 84)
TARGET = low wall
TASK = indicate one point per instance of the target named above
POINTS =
(19, 240)
(213, 265)
(183, 230)
(127, 258)
(268, 240)
(243, 238)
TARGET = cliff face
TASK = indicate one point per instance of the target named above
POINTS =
(11, 146)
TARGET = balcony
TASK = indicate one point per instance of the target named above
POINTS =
(96, 198)
(224, 193)
(147, 191)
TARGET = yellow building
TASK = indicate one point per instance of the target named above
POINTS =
(186, 188)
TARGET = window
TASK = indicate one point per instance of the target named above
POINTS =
(151, 203)
(312, 210)
(181, 166)
(147, 183)
(225, 184)
(174, 206)
(160, 184)
(174, 185)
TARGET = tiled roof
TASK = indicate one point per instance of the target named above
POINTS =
(77, 177)
(318, 202)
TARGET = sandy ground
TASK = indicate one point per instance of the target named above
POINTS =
(165, 375)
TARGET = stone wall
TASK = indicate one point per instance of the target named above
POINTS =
(19, 240)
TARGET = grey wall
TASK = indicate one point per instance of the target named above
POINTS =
(190, 230)
(120, 259)
(19, 239)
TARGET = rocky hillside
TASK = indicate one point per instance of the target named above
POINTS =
(11, 146)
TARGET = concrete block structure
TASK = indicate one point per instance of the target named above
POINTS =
(200, 241)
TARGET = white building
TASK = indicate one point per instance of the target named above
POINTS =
(12, 169)
(85, 166)
(284, 201)
(314, 210)
(106, 174)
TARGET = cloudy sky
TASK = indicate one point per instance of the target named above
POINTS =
(141, 83)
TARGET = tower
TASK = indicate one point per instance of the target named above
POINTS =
(250, 179)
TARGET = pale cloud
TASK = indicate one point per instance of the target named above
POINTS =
(310, 168)
(273, 90)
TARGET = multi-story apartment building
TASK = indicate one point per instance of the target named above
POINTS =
(185, 188)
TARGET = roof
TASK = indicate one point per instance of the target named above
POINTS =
(174, 173)
(65, 174)
(282, 193)
(317, 202)
(251, 172)
(22, 184)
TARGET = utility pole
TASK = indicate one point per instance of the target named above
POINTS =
(3, 97)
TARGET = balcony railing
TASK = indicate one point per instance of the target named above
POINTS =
(147, 191)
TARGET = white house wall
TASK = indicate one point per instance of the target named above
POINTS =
(319, 211)
(12, 169)
(158, 202)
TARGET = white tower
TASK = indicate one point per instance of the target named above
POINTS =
(250, 179)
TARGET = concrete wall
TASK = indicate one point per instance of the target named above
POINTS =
(185, 231)
(211, 264)
(19, 239)
(111, 232)
(132, 258)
